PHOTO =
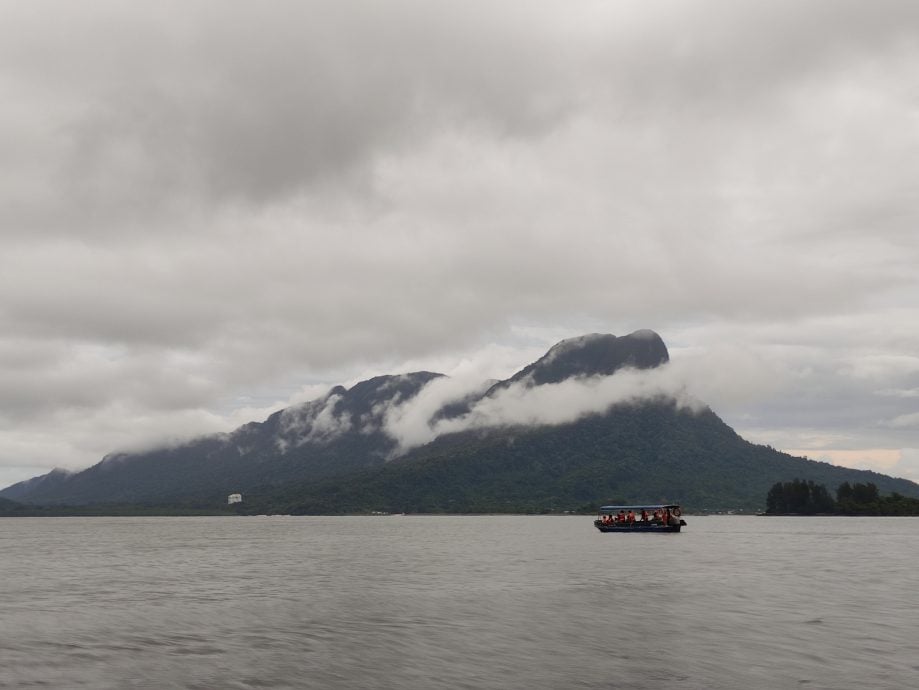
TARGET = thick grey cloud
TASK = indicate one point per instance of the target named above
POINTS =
(206, 210)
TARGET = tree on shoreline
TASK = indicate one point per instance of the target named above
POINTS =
(798, 497)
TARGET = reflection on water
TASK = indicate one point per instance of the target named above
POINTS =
(457, 602)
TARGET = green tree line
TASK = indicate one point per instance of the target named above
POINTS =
(807, 498)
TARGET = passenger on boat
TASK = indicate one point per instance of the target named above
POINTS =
(631, 517)
(644, 515)
(621, 516)
(657, 516)
(675, 518)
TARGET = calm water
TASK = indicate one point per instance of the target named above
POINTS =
(458, 602)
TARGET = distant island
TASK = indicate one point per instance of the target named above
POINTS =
(598, 419)
(800, 497)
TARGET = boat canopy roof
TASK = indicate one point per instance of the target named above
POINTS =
(638, 506)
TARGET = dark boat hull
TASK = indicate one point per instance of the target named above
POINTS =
(639, 528)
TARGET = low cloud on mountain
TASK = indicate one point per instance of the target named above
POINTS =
(416, 421)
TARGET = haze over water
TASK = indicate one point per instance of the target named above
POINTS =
(457, 602)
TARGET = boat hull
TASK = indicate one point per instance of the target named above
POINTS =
(639, 528)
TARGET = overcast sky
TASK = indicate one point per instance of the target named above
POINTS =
(211, 210)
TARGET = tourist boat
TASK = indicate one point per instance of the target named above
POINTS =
(615, 518)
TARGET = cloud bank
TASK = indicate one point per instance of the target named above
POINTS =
(416, 421)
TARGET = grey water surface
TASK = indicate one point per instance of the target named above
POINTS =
(457, 602)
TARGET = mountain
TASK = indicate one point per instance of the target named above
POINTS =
(338, 433)
(634, 453)
(40, 484)
(8, 507)
(346, 451)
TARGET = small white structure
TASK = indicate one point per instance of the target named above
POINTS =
(234, 498)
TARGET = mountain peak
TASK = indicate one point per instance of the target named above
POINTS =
(55, 477)
(596, 354)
